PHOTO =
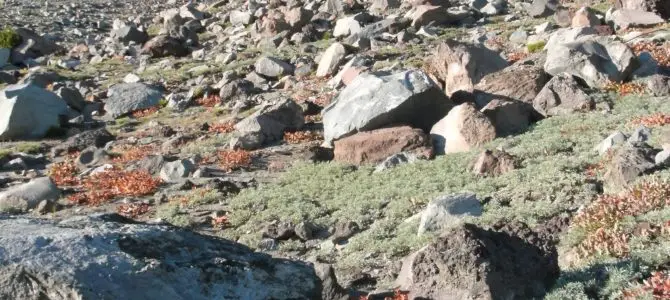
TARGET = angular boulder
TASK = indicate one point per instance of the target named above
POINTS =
(468, 262)
(562, 95)
(111, 257)
(374, 101)
(126, 98)
(29, 111)
(376, 145)
(461, 65)
(462, 129)
(596, 60)
(268, 124)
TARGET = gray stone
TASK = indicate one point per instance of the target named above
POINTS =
(177, 170)
(241, 17)
(72, 97)
(568, 35)
(109, 257)
(127, 34)
(640, 135)
(272, 67)
(347, 26)
(24, 197)
(562, 95)
(518, 37)
(448, 211)
(331, 60)
(28, 111)
(126, 98)
(542, 8)
(596, 60)
(268, 124)
(625, 18)
(659, 85)
(92, 157)
(373, 101)
(396, 160)
(617, 138)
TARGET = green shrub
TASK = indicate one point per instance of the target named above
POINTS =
(536, 47)
(9, 38)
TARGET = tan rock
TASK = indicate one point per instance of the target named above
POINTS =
(585, 17)
(493, 163)
(462, 129)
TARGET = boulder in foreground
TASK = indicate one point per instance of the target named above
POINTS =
(110, 257)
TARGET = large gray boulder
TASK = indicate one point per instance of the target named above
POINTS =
(23, 197)
(268, 124)
(110, 257)
(595, 59)
(125, 98)
(29, 111)
(374, 101)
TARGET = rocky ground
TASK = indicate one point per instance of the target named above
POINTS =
(330, 149)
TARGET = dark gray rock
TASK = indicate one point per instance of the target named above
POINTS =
(268, 124)
(126, 98)
(110, 257)
(72, 97)
(629, 162)
(91, 138)
(468, 262)
(127, 34)
(562, 95)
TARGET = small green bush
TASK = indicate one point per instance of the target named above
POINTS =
(9, 38)
(536, 47)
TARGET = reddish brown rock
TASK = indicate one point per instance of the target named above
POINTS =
(374, 146)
